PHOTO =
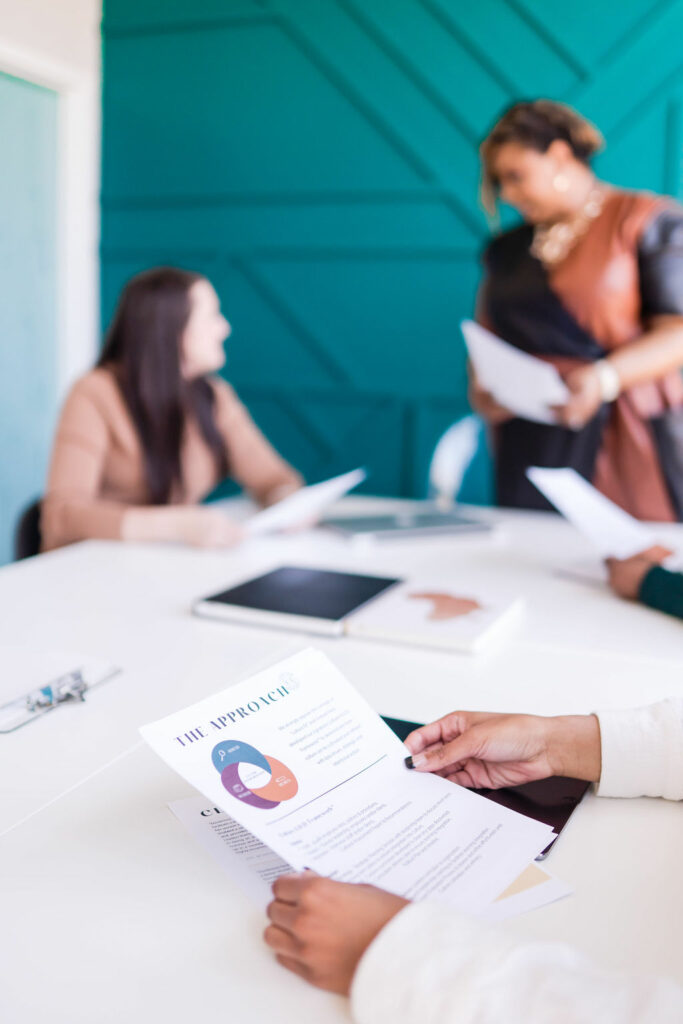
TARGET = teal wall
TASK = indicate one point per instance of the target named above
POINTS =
(317, 159)
(28, 342)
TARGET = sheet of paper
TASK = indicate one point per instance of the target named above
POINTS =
(612, 531)
(304, 506)
(522, 383)
(298, 758)
(253, 867)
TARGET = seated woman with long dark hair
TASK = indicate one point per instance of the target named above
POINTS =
(148, 433)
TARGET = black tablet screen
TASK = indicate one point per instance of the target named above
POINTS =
(317, 593)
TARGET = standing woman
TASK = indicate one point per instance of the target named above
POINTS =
(151, 431)
(592, 282)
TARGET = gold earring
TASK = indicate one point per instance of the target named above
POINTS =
(561, 183)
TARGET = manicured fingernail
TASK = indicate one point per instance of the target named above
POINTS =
(408, 761)
(415, 761)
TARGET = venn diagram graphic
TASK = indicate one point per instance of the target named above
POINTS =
(227, 758)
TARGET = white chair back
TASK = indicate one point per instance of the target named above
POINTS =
(452, 456)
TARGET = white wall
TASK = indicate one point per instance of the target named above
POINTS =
(56, 43)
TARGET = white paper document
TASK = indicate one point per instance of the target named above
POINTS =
(304, 505)
(613, 532)
(253, 866)
(525, 385)
(298, 758)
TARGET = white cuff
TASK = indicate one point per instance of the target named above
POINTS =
(642, 751)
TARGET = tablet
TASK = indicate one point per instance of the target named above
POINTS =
(552, 801)
(314, 600)
(432, 522)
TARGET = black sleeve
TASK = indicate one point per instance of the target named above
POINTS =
(503, 252)
(660, 263)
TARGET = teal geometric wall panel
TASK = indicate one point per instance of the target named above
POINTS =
(317, 159)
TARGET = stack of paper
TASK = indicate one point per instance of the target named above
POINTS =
(299, 760)
(253, 866)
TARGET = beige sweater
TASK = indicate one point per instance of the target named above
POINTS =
(97, 473)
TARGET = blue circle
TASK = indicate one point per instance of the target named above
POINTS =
(233, 751)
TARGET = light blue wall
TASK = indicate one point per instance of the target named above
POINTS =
(318, 160)
(28, 130)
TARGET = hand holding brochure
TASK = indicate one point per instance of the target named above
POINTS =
(298, 758)
(525, 385)
(304, 505)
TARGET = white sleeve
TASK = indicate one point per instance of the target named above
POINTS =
(642, 751)
(433, 966)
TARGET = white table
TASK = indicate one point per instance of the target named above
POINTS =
(111, 913)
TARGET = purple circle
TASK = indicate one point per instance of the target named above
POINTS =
(230, 777)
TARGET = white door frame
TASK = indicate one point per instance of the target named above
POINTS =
(78, 163)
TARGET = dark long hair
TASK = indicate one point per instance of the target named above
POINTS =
(142, 349)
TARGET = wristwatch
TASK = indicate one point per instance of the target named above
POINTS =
(608, 379)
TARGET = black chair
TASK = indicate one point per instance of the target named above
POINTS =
(27, 533)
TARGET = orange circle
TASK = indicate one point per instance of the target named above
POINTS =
(282, 785)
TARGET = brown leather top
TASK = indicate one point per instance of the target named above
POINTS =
(599, 283)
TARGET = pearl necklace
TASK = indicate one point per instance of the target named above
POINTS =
(552, 242)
